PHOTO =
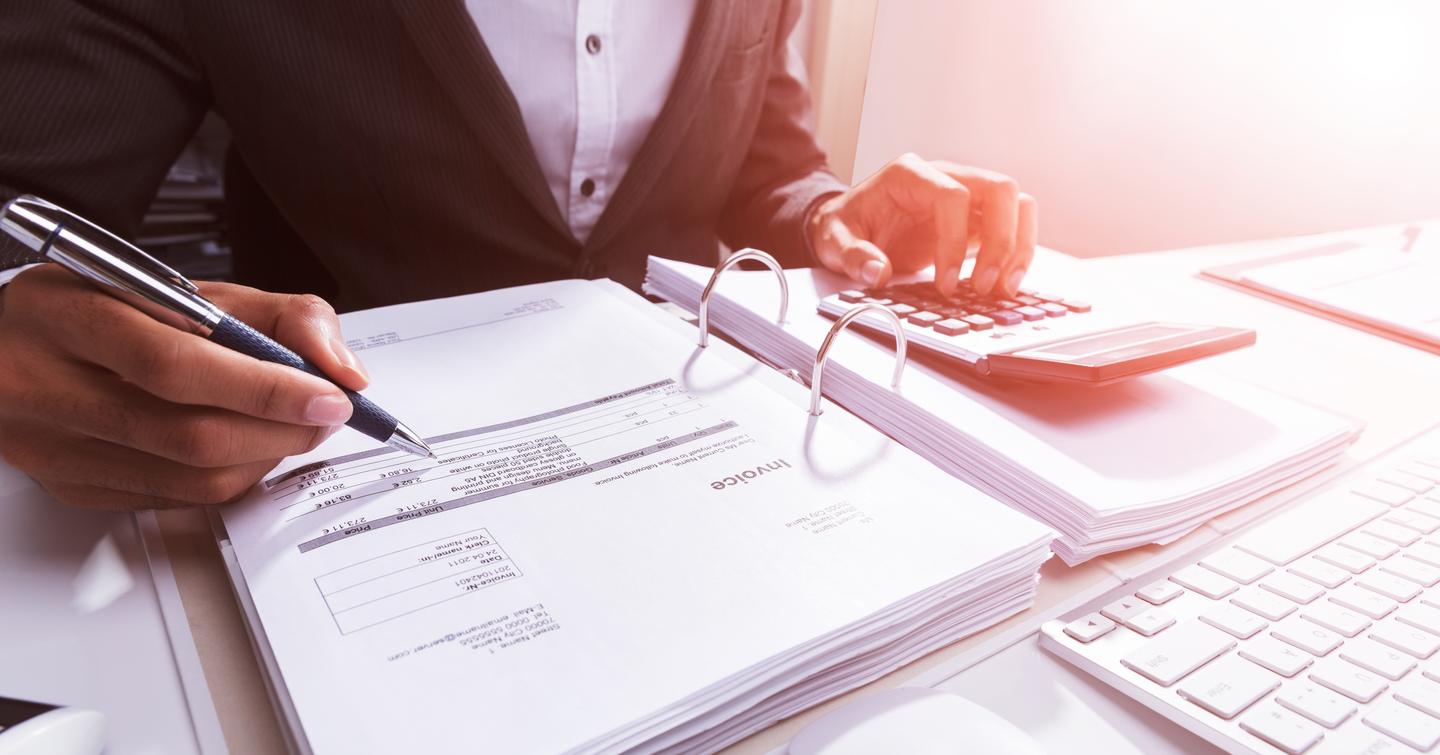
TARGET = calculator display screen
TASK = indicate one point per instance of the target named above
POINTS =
(1124, 343)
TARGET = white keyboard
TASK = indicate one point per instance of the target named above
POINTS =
(1314, 631)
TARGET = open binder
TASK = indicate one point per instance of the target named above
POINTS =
(630, 541)
(1108, 467)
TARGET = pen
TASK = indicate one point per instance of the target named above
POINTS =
(130, 275)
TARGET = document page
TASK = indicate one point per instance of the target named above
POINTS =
(618, 522)
(1390, 288)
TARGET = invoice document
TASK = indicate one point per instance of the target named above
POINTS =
(626, 540)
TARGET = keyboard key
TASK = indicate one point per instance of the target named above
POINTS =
(1292, 587)
(1204, 581)
(1123, 609)
(1030, 300)
(1029, 313)
(1421, 617)
(1425, 553)
(1389, 585)
(1396, 534)
(1006, 317)
(1149, 622)
(1410, 482)
(1160, 593)
(1372, 656)
(1414, 520)
(1335, 618)
(1350, 560)
(1404, 723)
(1414, 571)
(1089, 627)
(1298, 531)
(1317, 704)
(924, 319)
(903, 310)
(1322, 573)
(1237, 565)
(1422, 471)
(1420, 695)
(1275, 655)
(1170, 656)
(1428, 506)
(1308, 636)
(1282, 729)
(1368, 602)
(1234, 620)
(852, 296)
(1348, 679)
(1052, 310)
(1370, 545)
(1074, 305)
(1390, 495)
(1228, 686)
(1267, 604)
(952, 327)
(1407, 639)
(978, 322)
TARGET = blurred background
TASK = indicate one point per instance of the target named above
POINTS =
(1138, 125)
(1152, 125)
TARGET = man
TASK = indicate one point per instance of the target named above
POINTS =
(393, 150)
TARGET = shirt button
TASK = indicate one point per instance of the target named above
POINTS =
(592, 44)
(587, 187)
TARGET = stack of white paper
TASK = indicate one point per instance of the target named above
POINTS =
(1111, 467)
(628, 542)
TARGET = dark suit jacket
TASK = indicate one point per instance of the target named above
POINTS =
(380, 145)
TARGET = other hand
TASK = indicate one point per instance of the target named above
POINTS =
(108, 408)
(913, 213)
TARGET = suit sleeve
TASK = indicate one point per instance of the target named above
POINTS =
(785, 173)
(97, 98)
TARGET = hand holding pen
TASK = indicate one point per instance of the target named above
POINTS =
(109, 407)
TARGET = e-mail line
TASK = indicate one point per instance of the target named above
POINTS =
(394, 461)
(519, 487)
(385, 450)
(334, 497)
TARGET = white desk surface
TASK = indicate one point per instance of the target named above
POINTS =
(80, 621)
(116, 658)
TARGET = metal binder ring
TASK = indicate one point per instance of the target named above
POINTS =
(741, 256)
(817, 374)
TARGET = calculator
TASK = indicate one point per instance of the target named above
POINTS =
(1033, 335)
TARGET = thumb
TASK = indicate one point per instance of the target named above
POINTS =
(304, 323)
(856, 257)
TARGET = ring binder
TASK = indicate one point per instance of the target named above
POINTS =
(817, 373)
(732, 260)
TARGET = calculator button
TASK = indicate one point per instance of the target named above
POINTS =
(1007, 304)
(1031, 313)
(951, 327)
(852, 297)
(1006, 317)
(924, 319)
(979, 322)
(903, 310)
(1076, 306)
(1052, 310)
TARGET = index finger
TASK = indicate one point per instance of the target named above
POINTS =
(186, 369)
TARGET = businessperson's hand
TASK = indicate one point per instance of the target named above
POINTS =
(108, 408)
(914, 212)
